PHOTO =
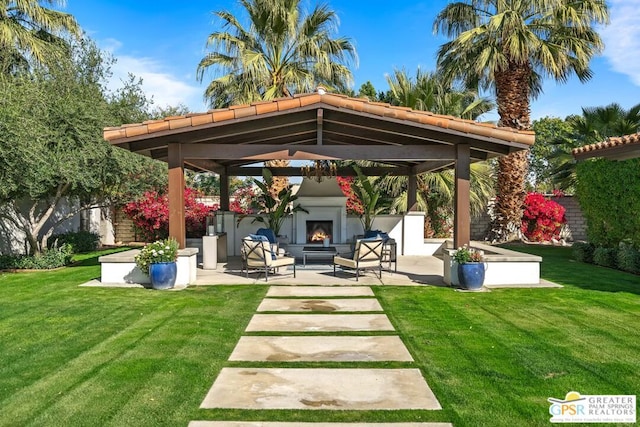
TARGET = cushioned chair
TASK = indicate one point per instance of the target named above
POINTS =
(257, 255)
(366, 255)
(271, 235)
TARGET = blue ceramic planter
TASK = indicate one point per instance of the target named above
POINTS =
(163, 275)
(471, 275)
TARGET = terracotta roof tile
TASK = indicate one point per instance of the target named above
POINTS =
(180, 122)
(245, 112)
(339, 101)
(611, 142)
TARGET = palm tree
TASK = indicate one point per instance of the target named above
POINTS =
(31, 32)
(596, 124)
(428, 92)
(280, 53)
(510, 46)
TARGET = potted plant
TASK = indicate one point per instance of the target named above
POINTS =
(158, 261)
(275, 208)
(470, 267)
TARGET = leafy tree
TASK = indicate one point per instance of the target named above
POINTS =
(31, 33)
(278, 52)
(52, 149)
(367, 191)
(368, 91)
(510, 46)
(553, 137)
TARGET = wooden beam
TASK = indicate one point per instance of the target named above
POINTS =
(205, 165)
(462, 212)
(319, 126)
(342, 171)
(224, 192)
(430, 166)
(176, 195)
(412, 192)
(313, 152)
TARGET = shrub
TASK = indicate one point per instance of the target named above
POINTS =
(52, 258)
(159, 251)
(80, 241)
(628, 258)
(150, 214)
(605, 257)
(609, 195)
(542, 219)
(583, 252)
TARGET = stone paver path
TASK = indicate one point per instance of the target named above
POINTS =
(349, 388)
(320, 305)
(321, 349)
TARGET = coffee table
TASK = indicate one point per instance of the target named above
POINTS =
(318, 252)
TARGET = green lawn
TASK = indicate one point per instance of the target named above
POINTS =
(77, 356)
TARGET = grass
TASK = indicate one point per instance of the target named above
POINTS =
(79, 356)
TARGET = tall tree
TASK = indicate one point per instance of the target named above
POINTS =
(54, 162)
(427, 91)
(31, 32)
(278, 52)
(594, 125)
(510, 46)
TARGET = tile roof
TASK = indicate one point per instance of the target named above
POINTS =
(612, 142)
(195, 120)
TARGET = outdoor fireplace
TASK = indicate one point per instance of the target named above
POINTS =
(317, 231)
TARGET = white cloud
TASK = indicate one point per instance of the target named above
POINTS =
(622, 38)
(165, 88)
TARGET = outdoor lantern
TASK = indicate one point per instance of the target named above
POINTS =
(220, 224)
(211, 223)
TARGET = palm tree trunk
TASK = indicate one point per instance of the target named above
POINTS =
(512, 92)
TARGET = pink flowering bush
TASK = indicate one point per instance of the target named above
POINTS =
(354, 204)
(150, 214)
(542, 218)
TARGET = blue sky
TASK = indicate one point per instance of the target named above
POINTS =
(162, 42)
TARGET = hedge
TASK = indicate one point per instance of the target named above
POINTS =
(609, 195)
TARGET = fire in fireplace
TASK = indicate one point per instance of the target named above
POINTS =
(317, 231)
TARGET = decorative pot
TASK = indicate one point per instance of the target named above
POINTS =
(471, 275)
(163, 275)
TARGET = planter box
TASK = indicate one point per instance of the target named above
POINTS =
(121, 267)
(502, 266)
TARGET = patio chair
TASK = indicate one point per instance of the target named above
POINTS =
(257, 255)
(271, 235)
(366, 255)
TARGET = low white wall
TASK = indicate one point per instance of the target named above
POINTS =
(121, 267)
(502, 266)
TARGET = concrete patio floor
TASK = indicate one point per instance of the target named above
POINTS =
(412, 271)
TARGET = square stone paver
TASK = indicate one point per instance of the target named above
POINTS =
(321, 349)
(320, 291)
(323, 305)
(319, 322)
(335, 389)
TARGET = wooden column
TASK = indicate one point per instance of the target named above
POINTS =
(412, 192)
(224, 192)
(176, 194)
(462, 213)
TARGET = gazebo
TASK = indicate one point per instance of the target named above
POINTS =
(318, 126)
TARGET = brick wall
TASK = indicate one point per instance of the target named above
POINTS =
(576, 225)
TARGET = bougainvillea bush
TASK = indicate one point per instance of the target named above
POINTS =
(354, 204)
(150, 214)
(542, 219)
